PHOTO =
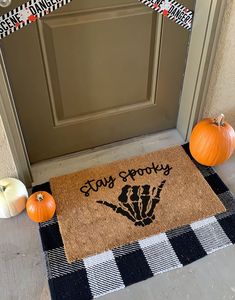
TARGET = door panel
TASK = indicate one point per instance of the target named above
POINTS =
(95, 72)
(103, 60)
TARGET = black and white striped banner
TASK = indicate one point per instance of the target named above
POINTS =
(172, 10)
(34, 9)
(26, 14)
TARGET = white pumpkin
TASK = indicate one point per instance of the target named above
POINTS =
(13, 196)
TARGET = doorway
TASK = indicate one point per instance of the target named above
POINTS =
(101, 122)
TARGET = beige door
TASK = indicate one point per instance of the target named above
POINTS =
(95, 72)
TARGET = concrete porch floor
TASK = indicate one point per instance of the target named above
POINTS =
(23, 270)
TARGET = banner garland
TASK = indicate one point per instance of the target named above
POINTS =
(26, 14)
(35, 9)
(172, 10)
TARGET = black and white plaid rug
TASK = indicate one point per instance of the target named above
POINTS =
(115, 269)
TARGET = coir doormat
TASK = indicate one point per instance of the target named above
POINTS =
(128, 264)
(118, 203)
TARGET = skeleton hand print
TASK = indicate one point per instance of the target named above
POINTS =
(137, 203)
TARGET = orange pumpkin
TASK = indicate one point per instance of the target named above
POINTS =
(40, 207)
(212, 141)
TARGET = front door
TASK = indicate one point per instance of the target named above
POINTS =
(94, 72)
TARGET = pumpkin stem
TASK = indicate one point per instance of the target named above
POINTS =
(219, 121)
(2, 188)
(40, 197)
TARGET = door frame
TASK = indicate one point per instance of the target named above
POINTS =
(202, 47)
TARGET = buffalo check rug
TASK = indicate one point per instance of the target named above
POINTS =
(115, 269)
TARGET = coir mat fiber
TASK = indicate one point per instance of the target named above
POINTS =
(118, 203)
(167, 217)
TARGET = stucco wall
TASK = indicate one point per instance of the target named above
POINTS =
(221, 94)
(7, 166)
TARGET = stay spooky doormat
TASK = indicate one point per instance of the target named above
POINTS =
(115, 204)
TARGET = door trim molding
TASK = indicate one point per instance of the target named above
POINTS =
(202, 47)
(12, 127)
(205, 33)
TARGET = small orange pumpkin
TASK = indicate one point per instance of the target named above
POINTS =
(40, 207)
(212, 141)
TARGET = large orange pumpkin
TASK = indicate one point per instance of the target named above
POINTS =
(212, 141)
(40, 207)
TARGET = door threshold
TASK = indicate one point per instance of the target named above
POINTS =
(47, 169)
